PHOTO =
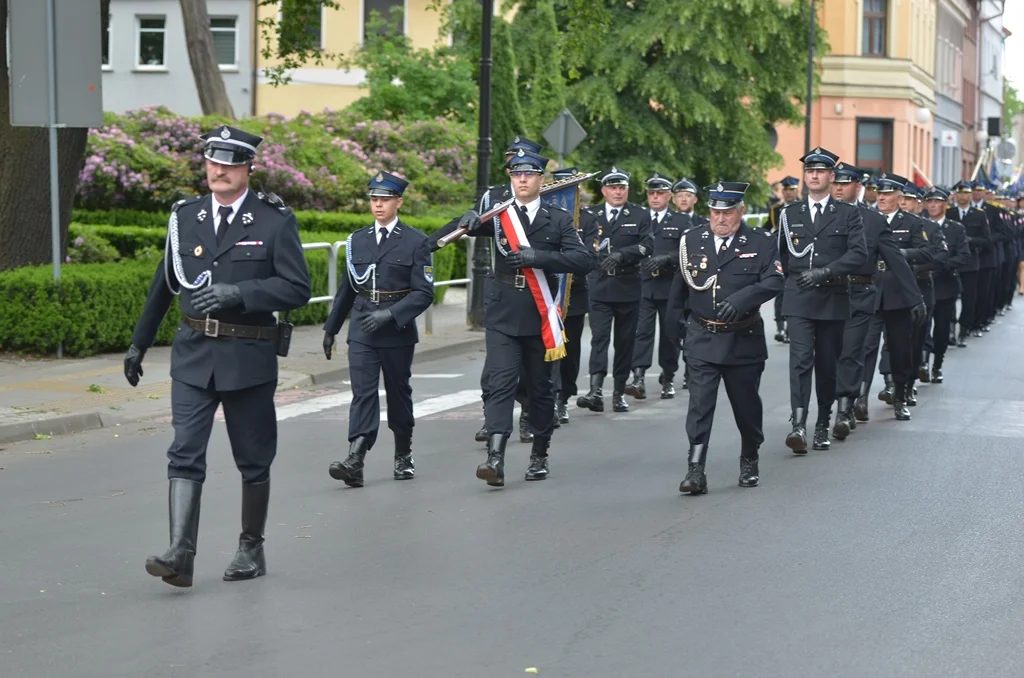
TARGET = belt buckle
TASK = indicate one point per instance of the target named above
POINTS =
(611, 272)
(881, 266)
(374, 296)
(211, 323)
(519, 281)
(654, 273)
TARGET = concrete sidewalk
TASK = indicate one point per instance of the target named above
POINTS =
(42, 397)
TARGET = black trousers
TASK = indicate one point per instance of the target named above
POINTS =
(899, 330)
(968, 301)
(1009, 284)
(942, 324)
(919, 333)
(602, 314)
(251, 421)
(654, 312)
(509, 357)
(485, 382)
(778, 308)
(365, 366)
(742, 383)
(814, 345)
(983, 307)
(850, 368)
(568, 368)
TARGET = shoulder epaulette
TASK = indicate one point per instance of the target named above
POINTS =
(274, 201)
(185, 201)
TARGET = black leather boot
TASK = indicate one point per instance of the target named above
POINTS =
(481, 435)
(843, 419)
(899, 404)
(937, 370)
(619, 403)
(961, 340)
(821, 441)
(748, 464)
(860, 407)
(910, 397)
(668, 389)
(922, 371)
(493, 470)
(524, 427)
(405, 467)
(797, 438)
(175, 566)
(562, 411)
(351, 470)
(594, 400)
(695, 481)
(538, 469)
(637, 388)
(885, 395)
(780, 331)
(249, 562)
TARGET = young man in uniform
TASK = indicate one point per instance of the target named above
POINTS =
(235, 258)
(727, 271)
(389, 282)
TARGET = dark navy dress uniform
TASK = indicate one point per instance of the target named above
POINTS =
(513, 322)
(246, 262)
(988, 263)
(623, 239)
(657, 272)
(865, 303)
(724, 287)
(389, 283)
(774, 216)
(947, 288)
(979, 238)
(818, 248)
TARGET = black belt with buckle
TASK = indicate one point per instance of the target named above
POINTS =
(214, 328)
(924, 276)
(380, 296)
(517, 281)
(717, 327)
(624, 270)
(861, 280)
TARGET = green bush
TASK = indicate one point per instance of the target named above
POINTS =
(90, 247)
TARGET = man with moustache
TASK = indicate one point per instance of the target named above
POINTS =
(908, 232)
(727, 270)
(946, 281)
(624, 239)
(235, 258)
(657, 272)
(979, 237)
(866, 300)
(821, 242)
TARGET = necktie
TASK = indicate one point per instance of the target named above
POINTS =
(383, 236)
(962, 213)
(526, 214)
(724, 247)
(222, 225)
(657, 219)
(615, 214)
(817, 213)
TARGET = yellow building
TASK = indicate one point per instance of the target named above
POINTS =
(341, 31)
(877, 93)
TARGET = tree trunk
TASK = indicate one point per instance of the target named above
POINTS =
(25, 175)
(213, 96)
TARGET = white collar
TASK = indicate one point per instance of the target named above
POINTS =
(608, 209)
(889, 217)
(659, 215)
(390, 226)
(531, 207)
(941, 220)
(235, 206)
(811, 202)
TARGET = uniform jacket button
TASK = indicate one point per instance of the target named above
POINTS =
(216, 264)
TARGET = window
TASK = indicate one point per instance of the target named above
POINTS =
(298, 30)
(106, 47)
(875, 25)
(383, 8)
(225, 36)
(151, 42)
(874, 144)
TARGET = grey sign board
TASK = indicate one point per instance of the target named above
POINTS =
(565, 133)
(78, 55)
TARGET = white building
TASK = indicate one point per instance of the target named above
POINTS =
(953, 16)
(991, 50)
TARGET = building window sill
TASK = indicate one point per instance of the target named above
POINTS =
(108, 69)
(150, 69)
(228, 69)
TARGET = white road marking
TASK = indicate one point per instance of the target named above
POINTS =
(314, 405)
(436, 376)
(439, 404)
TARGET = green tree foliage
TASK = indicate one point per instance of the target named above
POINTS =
(408, 83)
(541, 77)
(1012, 105)
(291, 33)
(687, 88)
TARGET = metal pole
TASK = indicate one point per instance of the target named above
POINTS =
(51, 55)
(564, 133)
(481, 262)
(810, 79)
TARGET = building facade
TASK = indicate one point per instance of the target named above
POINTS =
(947, 155)
(877, 101)
(145, 60)
(971, 141)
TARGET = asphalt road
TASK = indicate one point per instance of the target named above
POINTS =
(897, 553)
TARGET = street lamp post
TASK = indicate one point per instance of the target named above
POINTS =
(480, 247)
(810, 83)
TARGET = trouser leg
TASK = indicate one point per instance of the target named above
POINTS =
(506, 357)
(899, 329)
(537, 373)
(828, 345)
(700, 411)
(396, 363)
(626, 316)
(192, 411)
(569, 366)
(251, 421)
(364, 411)
(742, 385)
(968, 301)
(668, 349)
(871, 343)
(850, 367)
(601, 315)
(643, 345)
(801, 361)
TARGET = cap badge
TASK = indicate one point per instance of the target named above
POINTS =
(380, 177)
(719, 188)
(818, 150)
(516, 140)
(521, 153)
(225, 133)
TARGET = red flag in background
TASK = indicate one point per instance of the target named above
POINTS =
(919, 179)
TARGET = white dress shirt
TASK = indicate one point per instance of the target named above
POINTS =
(811, 203)
(719, 241)
(531, 208)
(235, 206)
(658, 217)
(389, 227)
(608, 211)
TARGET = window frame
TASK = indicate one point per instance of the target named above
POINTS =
(362, 19)
(232, 67)
(868, 20)
(138, 42)
(321, 42)
(105, 59)
(887, 144)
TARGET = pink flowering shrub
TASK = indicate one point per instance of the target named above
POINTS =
(150, 157)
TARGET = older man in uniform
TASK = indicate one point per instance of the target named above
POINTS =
(524, 328)
(866, 300)
(979, 237)
(821, 242)
(238, 257)
(790, 195)
(656, 271)
(946, 282)
(623, 240)
(727, 271)
(897, 365)
(389, 283)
